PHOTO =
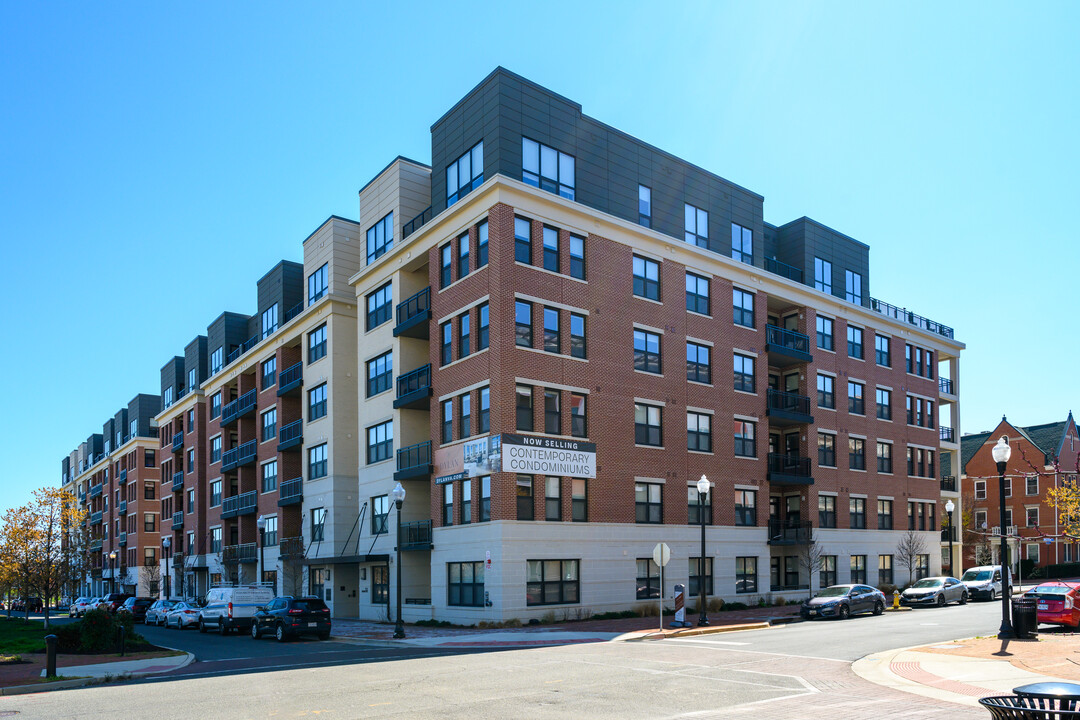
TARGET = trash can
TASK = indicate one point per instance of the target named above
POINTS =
(1025, 617)
(1052, 695)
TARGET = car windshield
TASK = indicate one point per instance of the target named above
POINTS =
(836, 591)
(972, 575)
(1052, 590)
(928, 583)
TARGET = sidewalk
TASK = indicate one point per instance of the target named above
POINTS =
(79, 670)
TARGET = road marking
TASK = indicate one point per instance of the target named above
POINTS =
(549, 682)
(709, 645)
(295, 666)
(726, 642)
(378, 704)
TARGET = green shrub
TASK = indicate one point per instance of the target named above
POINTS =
(735, 606)
(1063, 570)
(888, 589)
(615, 615)
(69, 638)
(434, 623)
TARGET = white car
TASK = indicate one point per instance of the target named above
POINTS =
(155, 614)
(79, 607)
(233, 608)
(983, 582)
(182, 615)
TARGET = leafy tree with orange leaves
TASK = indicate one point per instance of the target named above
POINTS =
(1065, 499)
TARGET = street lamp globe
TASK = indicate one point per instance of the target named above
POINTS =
(1002, 452)
(166, 542)
(398, 494)
(703, 485)
(949, 507)
(261, 523)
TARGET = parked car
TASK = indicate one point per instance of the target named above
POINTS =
(155, 614)
(73, 610)
(83, 604)
(231, 608)
(842, 601)
(182, 615)
(114, 601)
(288, 617)
(935, 591)
(983, 582)
(33, 604)
(137, 607)
(1058, 603)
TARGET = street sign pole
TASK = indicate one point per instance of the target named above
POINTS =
(661, 555)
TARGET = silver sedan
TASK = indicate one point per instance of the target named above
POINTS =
(155, 614)
(935, 591)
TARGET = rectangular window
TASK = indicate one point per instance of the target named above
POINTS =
(380, 238)
(884, 457)
(742, 244)
(149, 522)
(577, 257)
(744, 373)
(552, 412)
(698, 363)
(318, 524)
(697, 225)
(215, 493)
(524, 408)
(826, 511)
(697, 293)
(578, 420)
(885, 514)
(826, 445)
(446, 346)
(481, 245)
(193, 379)
(1008, 489)
(317, 462)
(647, 428)
(826, 393)
(855, 342)
(856, 405)
(523, 333)
(485, 498)
(857, 508)
(551, 249)
(648, 502)
(465, 516)
(379, 306)
(980, 489)
(828, 571)
(522, 240)
(746, 574)
(217, 360)
(742, 303)
(167, 399)
(483, 330)
(746, 508)
(317, 344)
(823, 275)
(448, 505)
(191, 460)
(745, 438)
(922, 566)
(465, 174)
(694, 587)
(380, 442)
(647, 351)
(317, 402)
(858, 569)
(578, 500)
(648, 579)
(380, 376)
(269, 476)
(446, 259)
(824, 333)
(524, 497)
(547, 168)
(646, 278)
(699, 432)
(856, 453)
(551, 582)
(215, 406)
(463, 335)
(269, 424)
(885, 569)
(577, 335)
(881, 351)
(552, 498)
(698, 507)
(317, 284)
(215, 449)
(269, 374)
(465, 584)
(1031, 515)
(1031, 485)
(853, 288)
(465, 419)
(447, 424)
(551, 330)
(485, 410)
(380, 515)
(270, 321)
(883, 399)
(644, 205)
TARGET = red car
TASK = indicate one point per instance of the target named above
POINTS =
(1058, 603)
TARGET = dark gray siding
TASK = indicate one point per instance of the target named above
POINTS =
(94, 446)
(195, 357)
(108, 434)
(804, 239)
(65, 469)
(120, 425)
(142, 410)
(229, 331)
(172, 376)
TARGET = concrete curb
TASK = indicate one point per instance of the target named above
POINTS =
(46, 687)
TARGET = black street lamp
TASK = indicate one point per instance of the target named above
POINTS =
(261, 523)
(1002, 452)
(112, 580)
(702, 491)
(167, 544)
(949, 507)
(398, 494)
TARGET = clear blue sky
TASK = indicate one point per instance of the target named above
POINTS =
(157, 158)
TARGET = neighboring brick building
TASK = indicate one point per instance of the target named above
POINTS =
(552, 290)
(1043, 456)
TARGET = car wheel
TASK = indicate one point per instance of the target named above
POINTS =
(255, 634)
(222, 629)
(202, 626)
(993, 595)
(963, 598)
(279, 633)
(844, 613)
(941, 600)
(879, 607)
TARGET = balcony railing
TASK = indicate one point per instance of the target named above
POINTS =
(292, 312)
(291, 435)
(416, 223)
(416, 535)
(239, 456)
(414, 461)
(247, 552)
(244, 347)
(178, 442)
(948, 483)
(238, 408)
(784, 270)
(95, 544)
(178, 561)
(785, 408)
(946, 434)
(789, 469)
(178, 481)
(82, 497)
(239, 505)
(945, 385)
(121, 476)
(95, 518)
(121, 507)
(291, 492)
(122, 538)
(95, 490)
(178, 520)
(786, 347)
(291, 378)
(413, 315)
(414, 388)
(789, 533)
(291, 547)
(905, 315)
(1010, 531)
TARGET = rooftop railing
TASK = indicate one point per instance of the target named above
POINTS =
(416, 223)
(905, 315)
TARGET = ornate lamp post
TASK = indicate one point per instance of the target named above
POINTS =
(398, 495)
(261, 524)
(702, 491)
(112, 579)
(167, 544)
(1002, 452)
(949, 507)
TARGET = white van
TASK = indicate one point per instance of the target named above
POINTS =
(984, 582)
(231, 608)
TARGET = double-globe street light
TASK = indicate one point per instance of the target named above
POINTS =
(702, 491)
(398, 496)
(1002, 452)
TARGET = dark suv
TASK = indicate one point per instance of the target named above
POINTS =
(28, 604)
(288, 617)
(137, 607)
(114, 601)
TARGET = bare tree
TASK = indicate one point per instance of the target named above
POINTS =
(810, 559)
(292, 566)
(983, 554)
(151, 575)
(908, 549)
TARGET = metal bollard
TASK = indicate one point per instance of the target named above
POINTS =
(50, 655)
(123, 634)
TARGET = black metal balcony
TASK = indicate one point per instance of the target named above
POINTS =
(789, 470)
(178, 442)
(415, 535)
(95, 490)
(905, 315)
(786, 408)
(945, 385)
(291, 436)
(244, 347)
(245, 553)
(291, 492)
(121, 507)
(239, 456)
(786, 347)
(239, 505)
(948, 483)
(95, 544)
(238, 408)
(121, 476)
(784, 270)
(82, 497)
(292, 312)
(414, 461)
(122, 538)
(291, 547)
(178, 520)
(178, 561)
(416, 223)
(178, 481)
(95, 518)
(413, 315)
(290, 379)
(946, 434)
(414, 389)
(789, 533)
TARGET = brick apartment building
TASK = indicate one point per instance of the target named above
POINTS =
(547, 336)
(1043, 457)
